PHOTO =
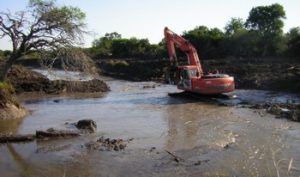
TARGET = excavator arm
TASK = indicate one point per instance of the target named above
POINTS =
(191, 77)
(172, 40)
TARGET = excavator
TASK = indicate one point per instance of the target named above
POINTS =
(191, 77)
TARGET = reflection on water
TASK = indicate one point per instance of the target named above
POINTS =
(25, 168)
(212, 140)
(10, 125)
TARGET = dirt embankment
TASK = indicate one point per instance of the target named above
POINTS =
(25, 80)
(9, 107)
(134, 69)
(278, 74)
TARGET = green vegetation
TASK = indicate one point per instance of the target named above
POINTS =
(4, 54)
(6, 91)
(260, 35)
(7, 86)
(112, 45)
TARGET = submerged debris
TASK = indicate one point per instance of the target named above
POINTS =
(176, 158)
(87, 124)
(199, 162)
(107, 144)
(112, 144)
(281, 110)
(149, 86)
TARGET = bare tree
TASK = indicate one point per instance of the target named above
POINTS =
(41, 26)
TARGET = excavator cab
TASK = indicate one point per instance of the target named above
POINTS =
(185, 75)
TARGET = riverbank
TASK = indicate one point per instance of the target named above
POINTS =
(26, 80)
(275, 74)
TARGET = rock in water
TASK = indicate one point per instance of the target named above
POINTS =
(87, 124)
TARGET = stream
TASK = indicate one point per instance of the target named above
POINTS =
(208, 139)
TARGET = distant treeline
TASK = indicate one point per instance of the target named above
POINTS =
(261, 35)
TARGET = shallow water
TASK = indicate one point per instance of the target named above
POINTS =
(209, 140)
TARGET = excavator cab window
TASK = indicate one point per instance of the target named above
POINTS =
(193, 73)
(187, 74)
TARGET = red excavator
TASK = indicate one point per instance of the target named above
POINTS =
(191, 77)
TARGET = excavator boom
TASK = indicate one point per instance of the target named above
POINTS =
(173, 39)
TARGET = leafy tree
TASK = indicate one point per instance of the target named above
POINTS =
(206, 41)
(113, 45)
(243, 43)
(234, 25)
(41, 26)
(102, 46)
(293, 37)
(293, 33)
(133, 47)
(1, 55)
(268, 21)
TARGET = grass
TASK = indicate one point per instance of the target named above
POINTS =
(7, 86)
(118, 63)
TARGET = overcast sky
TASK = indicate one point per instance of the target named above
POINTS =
(146, 19)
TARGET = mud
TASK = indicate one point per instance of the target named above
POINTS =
(207, 139)
(289, 108)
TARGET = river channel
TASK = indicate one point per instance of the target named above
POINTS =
(207, 138)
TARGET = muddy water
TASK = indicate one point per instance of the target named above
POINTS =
(207, 139)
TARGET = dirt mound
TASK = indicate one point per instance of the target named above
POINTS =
(25, 80)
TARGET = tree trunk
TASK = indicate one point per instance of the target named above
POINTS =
(6, 67)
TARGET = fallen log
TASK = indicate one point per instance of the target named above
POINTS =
(51, 133)
(84, 126)
(16, 138)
